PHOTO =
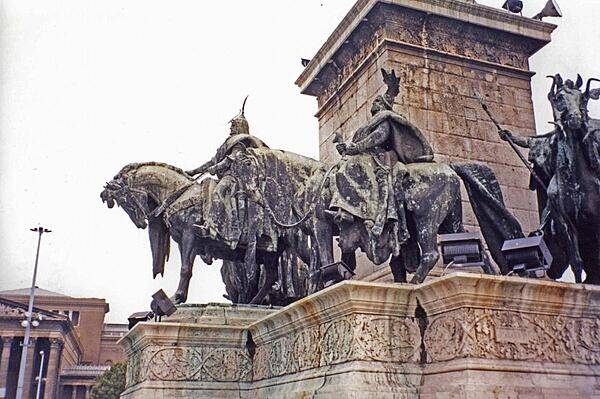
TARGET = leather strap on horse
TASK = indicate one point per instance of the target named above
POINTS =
(307, 214)
(172, 198)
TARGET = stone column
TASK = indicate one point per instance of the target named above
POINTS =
(74, 392)
(4, 359)
(88, 388)
(53, 368)
(29, 379)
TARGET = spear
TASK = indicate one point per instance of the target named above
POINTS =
(553, 205)
(510, 141)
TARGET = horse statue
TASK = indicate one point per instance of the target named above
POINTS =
(567, 164)
(282, 183)
(385, 196)
(172, 205)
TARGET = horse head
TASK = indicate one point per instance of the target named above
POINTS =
(569, 102)
(132, 201)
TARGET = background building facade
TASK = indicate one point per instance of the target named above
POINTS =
(78, 346)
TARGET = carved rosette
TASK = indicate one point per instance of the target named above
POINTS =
(353, 337)
(506, 335)
(159, 363)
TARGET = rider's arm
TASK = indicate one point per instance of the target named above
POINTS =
(375, 138)
(201, 169)
(221, 166)
(515, 138)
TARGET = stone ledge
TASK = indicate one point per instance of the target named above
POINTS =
(457, 335)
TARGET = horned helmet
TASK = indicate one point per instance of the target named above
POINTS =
(569, 102)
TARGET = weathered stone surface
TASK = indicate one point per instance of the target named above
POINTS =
(200, 352)
(459, 336)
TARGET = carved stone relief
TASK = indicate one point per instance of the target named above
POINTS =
(495, 334)
(354, 337)
(156, 363)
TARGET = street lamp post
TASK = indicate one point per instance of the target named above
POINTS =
(41, 373)
(20, 382)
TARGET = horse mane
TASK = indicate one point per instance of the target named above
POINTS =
(297, 160)
(136, 165)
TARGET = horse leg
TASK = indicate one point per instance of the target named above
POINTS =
(270, 263)
(321, 246)
(561, 222)
(188, 253)
(349, 258)
(427, 239)
(228, 272)
(453, 223)
(398, 269)
(323, 237)
(590, 248)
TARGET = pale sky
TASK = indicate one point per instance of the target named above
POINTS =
(89, 86)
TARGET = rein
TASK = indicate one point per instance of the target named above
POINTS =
(129, 193)
(311, 209)
(171, 198)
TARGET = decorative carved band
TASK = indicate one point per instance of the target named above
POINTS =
(354, 337)
(189, 364)
(506, 335)
(461, 333)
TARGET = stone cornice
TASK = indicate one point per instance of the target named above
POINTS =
(165, 333)
(509, 293)
(476, 14)
(343, 299)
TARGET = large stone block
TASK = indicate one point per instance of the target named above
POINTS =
(458, 336)
(201, 352)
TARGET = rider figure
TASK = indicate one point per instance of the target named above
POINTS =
(239, 139)
(388, 135)
(222, 216)
(393, 142)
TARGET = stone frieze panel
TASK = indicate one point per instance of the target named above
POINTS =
(353, 337)
(160, 363)
(508, 335)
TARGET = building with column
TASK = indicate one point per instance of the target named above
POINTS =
(77, 345)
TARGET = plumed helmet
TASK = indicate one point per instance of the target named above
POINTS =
(239, 124)
(393, 88)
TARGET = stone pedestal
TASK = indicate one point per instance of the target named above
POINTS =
(460, 336)
(202, 351)
(442, 51)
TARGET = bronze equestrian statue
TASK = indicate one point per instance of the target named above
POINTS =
(385, 171)
(386, 197)
(567, 164)
(225, 213)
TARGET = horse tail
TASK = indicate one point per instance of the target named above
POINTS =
(160, 244)
(495, 220)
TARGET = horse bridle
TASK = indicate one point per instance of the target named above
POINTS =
(129, 191)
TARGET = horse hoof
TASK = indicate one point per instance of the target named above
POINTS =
(178, 298)
(416, 280)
